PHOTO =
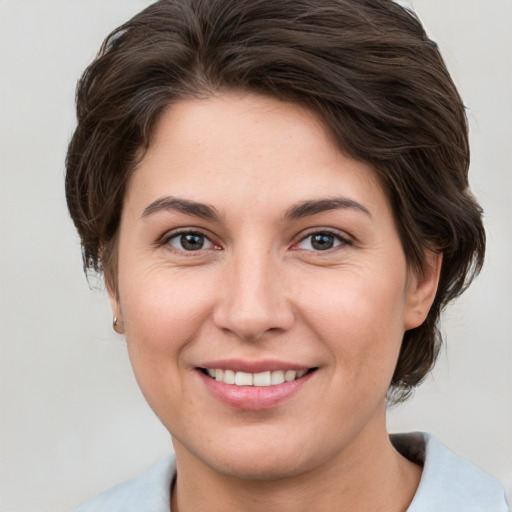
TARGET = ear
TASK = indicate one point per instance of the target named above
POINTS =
(113, 297)
(421, 290)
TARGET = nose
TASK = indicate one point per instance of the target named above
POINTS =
(253, 299)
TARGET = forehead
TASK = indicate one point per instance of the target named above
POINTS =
(235, 145)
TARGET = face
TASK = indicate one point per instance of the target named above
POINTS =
(262, 287)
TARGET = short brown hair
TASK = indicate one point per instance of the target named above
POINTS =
(365, 67)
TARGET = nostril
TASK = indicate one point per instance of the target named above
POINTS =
(252, 304)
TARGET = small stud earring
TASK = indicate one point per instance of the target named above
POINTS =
(117, 325)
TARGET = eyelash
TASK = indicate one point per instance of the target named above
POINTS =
(339, 240)
(192, 232)
(342, 239)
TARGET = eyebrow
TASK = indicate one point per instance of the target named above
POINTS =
(186, 206)
(297, 211)
(313, 207)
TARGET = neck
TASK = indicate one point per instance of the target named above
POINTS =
(369, 475)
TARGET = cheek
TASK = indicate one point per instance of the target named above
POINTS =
(162, 315)
(162, 318)
(359, 315)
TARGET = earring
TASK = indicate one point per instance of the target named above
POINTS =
(117, 325)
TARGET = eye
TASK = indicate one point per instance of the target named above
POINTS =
(189, 241)
(321, 241)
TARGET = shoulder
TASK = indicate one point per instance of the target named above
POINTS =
(148, 491)
(449, 483)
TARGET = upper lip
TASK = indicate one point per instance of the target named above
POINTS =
(239, 365)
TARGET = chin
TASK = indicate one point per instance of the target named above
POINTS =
(260, 456)
(262, 467)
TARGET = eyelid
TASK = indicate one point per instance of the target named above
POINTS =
(189, 230)
(341, 236)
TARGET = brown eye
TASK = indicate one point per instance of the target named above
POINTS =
(189, 242)
(322, 241)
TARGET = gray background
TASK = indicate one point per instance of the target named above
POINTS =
(72, 419)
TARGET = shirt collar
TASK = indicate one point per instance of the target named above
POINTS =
(448, 483)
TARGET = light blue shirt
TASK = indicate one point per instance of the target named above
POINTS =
(448, 483)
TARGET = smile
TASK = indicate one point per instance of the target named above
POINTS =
(262, 379)
(257, 390)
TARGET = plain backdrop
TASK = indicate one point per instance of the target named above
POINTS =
(73, 421)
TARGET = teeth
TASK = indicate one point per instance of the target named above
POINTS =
(290, 375)
(262, 379)
(278, 377)
(242, 378)
(255, 379)
(229, 377)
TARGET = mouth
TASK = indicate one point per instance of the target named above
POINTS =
(261, 379)
(255, 385)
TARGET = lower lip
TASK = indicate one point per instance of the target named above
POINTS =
(254, 398)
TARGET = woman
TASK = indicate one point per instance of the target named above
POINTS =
(277, 195)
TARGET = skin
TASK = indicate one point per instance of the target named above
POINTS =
(259, 289)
